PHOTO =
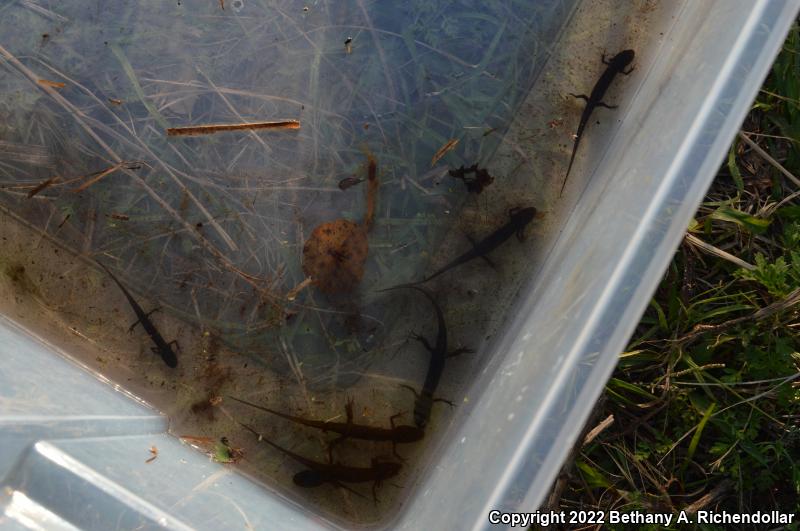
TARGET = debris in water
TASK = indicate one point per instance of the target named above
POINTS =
(347, 182)
(225, 453)
(41, 186)
(54, 84)
(450, 144)
(475, 184)
(197, 130)
(102, 173)
(154, 453)
(335, 253)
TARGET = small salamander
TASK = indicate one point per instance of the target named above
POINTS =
(162, 348)
(424, 399)
(518, 220)
(616, 65)
(347, 430)
(319, 473)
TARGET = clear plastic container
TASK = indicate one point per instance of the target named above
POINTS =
(213, 228)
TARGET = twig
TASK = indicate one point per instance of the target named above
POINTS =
(107, 171)
(54, 84)
(197, 130)
(42, 185)
(450, 144)
(710, 497)
(769, 159)
(694, 240)
(597, 430)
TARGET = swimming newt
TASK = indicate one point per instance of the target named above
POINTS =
(162, 348)
(395, 434)
(319, 473)
(424, 400)
(616, 65)
(518, 220)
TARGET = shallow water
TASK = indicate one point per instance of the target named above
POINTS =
(212, 228)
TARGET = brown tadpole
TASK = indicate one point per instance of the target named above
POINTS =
(335, 253)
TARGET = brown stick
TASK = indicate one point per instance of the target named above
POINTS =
(450, 144)
(107, 171)
(372, 191)
(54, 84)
(41, 186)
(198, 130)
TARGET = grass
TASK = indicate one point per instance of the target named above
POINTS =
(705, 399)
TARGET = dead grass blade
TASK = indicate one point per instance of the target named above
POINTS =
(716, 251)
(789, 175)
(450, 144)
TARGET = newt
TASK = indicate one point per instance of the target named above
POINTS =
(424, 400)
(318, 473)
(616, 65)
(518, 220)
(347, 430)
(162, 348)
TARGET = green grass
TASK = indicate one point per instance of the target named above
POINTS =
(706, 398)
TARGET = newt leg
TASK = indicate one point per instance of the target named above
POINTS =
(148, 314)
(332, 444)
(607, 106)
(348, 409)
(603, 58)
(483, 256)
(345, 487)
(391, 419)
(580, 97)
(628, 72)
(459, 351)
(394, 451)
(448, 402)
(422, 340)
(175, 343)
(416, 395)
(398, 456)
